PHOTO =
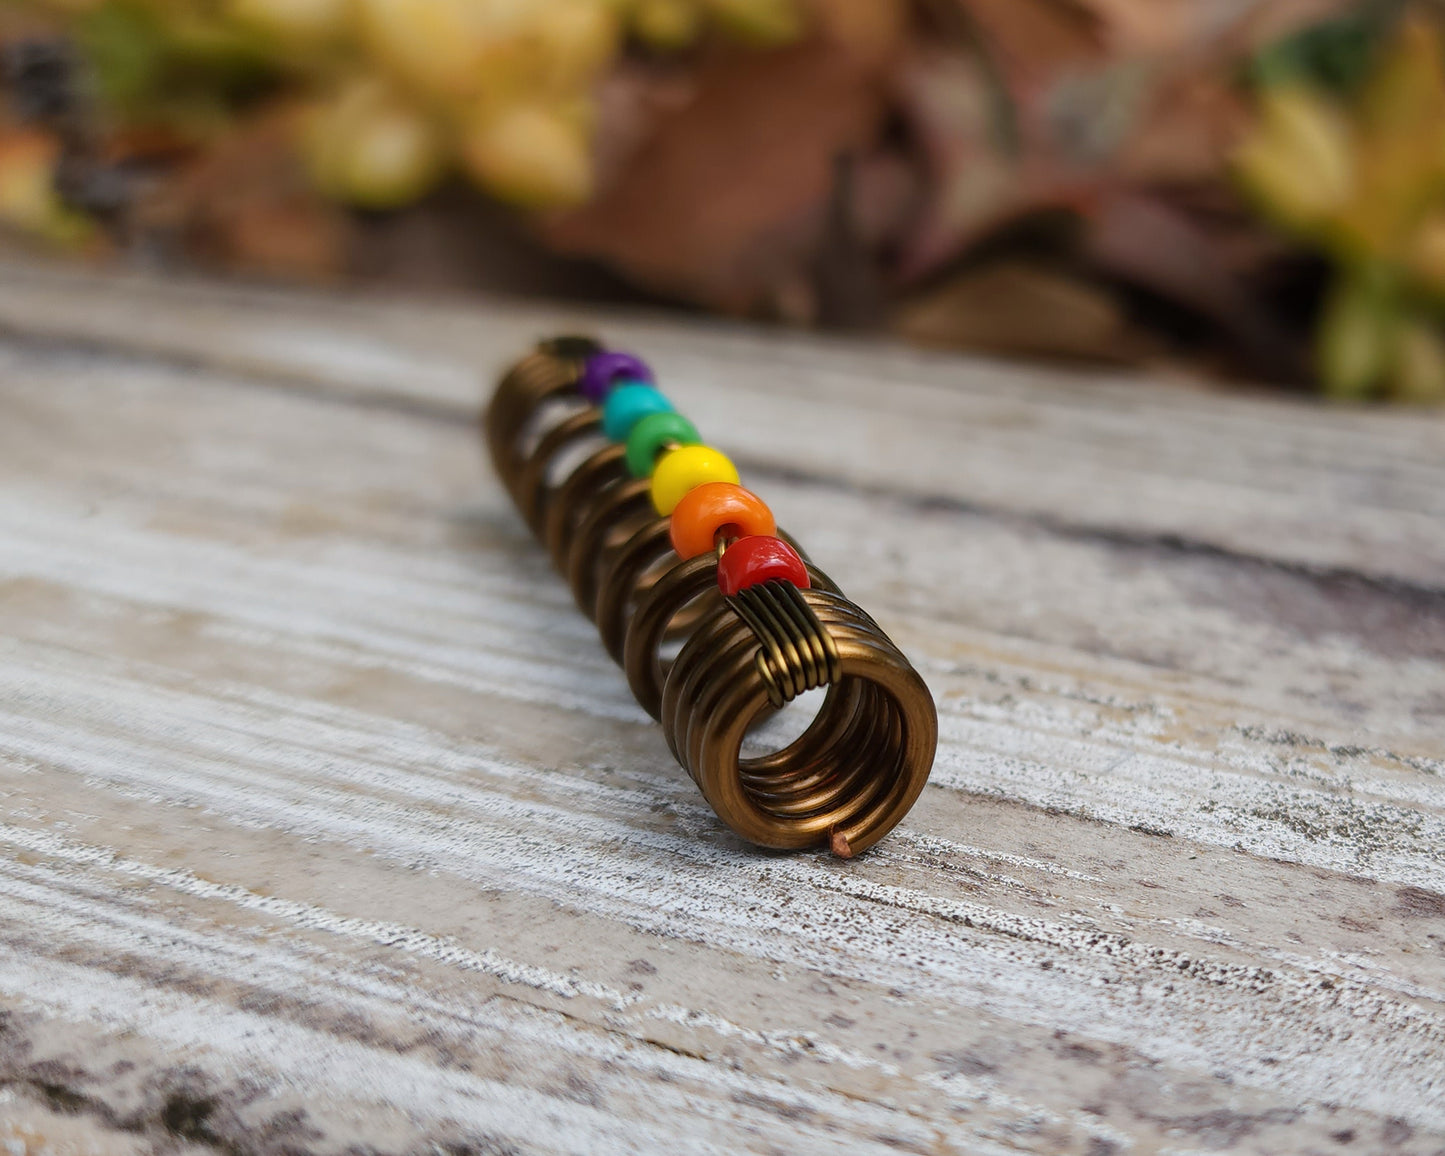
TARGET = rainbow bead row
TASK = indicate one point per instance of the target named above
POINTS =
(693, 485)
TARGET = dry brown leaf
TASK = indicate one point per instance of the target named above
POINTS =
(1015, 308)
(1147, 242)
(1154, 27)
(247, 204)
(1186, 132)
(631, 101)
(1033, 41)
(1159, 28)
(724, 201)
(872, 30)
(949, 106)
(1094, 124)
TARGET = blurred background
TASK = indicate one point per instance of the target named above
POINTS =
(1245, 191)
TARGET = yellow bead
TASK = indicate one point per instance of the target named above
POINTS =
(685, 468)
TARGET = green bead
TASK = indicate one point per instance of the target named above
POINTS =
(653, 432)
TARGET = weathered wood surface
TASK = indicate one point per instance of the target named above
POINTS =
(327, 823)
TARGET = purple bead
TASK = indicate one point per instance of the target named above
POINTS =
(603, 369)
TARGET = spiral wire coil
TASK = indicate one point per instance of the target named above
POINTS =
(848, 779)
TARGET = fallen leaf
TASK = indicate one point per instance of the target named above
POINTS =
(1148, 243)
(247, 204)
(1172, 27)
(950, 109)
(871, 30)
(1033, 41)
(724, 201)
(1186, 131)
(1019, 309)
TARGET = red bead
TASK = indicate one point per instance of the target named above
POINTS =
(758, 558)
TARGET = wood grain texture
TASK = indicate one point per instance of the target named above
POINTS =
(328, 826)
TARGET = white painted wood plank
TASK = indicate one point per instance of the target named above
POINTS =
(1288, 481)
(324, 810)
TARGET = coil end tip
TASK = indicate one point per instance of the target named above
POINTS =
(840, 845)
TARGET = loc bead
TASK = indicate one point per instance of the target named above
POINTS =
(749, 561)
(684, 469)
(709, 665)
(711, 507)
(627, 404)
(651, 434)
(603, 370)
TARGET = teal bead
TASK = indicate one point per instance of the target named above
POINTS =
(653, 432)
(627, 404)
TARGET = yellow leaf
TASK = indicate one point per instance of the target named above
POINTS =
(28, 200)
(1418, 375)
(1297, 161)
(1355, 339)
(370, 147)
(301, 23)
(528, 154)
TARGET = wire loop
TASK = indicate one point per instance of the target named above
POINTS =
(795, 653)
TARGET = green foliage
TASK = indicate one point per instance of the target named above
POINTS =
(1336, 55)
(148, 63)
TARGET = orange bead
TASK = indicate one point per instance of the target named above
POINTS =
(713, 506)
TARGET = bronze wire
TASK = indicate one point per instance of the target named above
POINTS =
(849, 778)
